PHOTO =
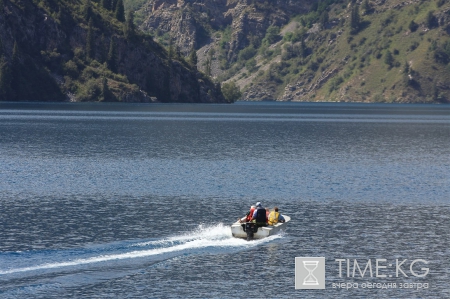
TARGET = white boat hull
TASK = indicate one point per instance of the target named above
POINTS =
(238, 232)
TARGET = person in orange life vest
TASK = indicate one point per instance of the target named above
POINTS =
(248, 216)
(275, 217)
(267, 215)
(250, 213)
(259, 216)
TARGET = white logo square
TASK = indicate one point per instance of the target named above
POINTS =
(310, 273)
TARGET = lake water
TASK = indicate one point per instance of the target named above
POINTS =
(135, 201)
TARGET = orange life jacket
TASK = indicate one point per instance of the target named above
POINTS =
(250, 215)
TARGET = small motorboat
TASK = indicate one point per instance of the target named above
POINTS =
(249, 231)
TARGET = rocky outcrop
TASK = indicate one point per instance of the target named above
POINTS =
(190, 23)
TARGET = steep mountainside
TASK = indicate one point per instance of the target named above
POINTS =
(329, 50)
(88, 51)
(191, 23)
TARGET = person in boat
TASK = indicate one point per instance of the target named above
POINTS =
(267, 215)
(259, 215)
(275, 217)
(248, 216)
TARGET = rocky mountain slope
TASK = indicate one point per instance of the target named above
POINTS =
(191, 23)
(330, 50)
(88, 51)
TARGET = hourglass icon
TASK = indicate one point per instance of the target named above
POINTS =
(310, 279)
(310, 273)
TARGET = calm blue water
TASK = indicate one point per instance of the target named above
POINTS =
(135, 201)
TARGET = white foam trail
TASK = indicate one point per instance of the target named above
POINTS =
(215, 232)
(218, 236)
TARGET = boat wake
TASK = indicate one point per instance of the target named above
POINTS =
(215, 239)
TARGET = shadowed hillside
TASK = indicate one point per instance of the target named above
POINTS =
(89, 51)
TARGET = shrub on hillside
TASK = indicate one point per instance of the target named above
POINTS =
(231, 91)
(413, 26)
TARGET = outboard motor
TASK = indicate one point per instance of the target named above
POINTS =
(250, 228)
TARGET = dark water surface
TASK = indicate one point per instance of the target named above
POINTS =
(135, 201)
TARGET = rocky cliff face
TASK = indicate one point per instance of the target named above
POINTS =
(186, 21)
(191, 23)
(52, 57)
